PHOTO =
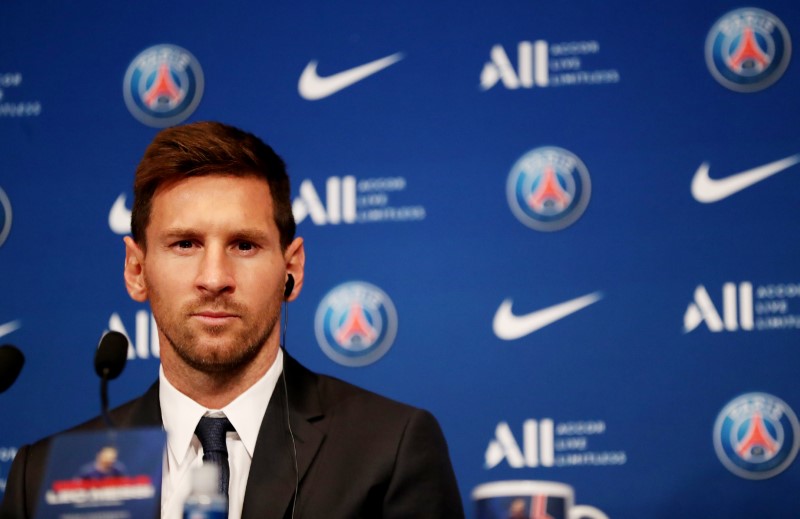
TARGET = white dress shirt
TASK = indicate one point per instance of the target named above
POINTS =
(180, 415)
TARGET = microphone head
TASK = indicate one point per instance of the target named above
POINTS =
(11, 361)
(111, 355)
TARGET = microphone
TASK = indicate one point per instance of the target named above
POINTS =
(11, 361)
(109, 361)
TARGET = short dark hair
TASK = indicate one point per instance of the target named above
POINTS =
(209, 148)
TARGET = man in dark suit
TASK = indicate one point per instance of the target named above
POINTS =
(213, 250)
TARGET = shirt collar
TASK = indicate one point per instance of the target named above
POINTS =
(180, 413)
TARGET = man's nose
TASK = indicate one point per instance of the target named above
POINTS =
(216, 271)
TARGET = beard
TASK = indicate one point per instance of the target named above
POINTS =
(215, 349)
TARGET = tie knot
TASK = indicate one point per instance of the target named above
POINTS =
(211, 433)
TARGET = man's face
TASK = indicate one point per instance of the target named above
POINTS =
(106, 458)
(213, 270)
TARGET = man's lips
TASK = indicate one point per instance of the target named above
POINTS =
(214, 317)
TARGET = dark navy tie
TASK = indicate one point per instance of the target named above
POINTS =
(211, 433)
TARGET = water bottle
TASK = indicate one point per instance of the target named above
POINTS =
(205, 501)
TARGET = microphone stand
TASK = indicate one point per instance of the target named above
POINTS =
(104, 398)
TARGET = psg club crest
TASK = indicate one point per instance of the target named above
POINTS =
(163, 85)
(748, 49)
(548, 188)
(356, 324)
(5, 216)
(756, 436)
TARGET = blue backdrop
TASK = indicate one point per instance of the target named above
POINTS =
(562, 227)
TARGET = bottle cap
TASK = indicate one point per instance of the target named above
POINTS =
(205, 479)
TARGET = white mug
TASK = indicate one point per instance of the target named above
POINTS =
(530, 500)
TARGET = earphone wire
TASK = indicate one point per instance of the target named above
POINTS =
(288, 422)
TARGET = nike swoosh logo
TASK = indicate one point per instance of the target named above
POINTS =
(7, 328)
(708, 190)
(313, 87)
(119, 218)
(508, 326)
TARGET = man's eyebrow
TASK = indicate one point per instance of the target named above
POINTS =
(179, 232)
(256, 235)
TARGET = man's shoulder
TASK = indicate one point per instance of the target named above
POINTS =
(141, 411)
(380, 442)
(134, 413)
(337, 393)
(343, 400)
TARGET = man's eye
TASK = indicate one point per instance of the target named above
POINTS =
(184, 244)
(245, 245)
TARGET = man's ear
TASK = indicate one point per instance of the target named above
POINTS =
(134, 270)
(295, 258)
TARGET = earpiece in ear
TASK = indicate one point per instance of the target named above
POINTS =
(289, 288)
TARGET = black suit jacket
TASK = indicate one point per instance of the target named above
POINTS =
(358, 455)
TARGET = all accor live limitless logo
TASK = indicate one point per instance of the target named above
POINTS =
(349, 201)
(545, 443)
(10, 105)
(744, 308)
(541, 64)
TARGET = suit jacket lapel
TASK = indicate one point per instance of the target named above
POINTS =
(273, 480)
